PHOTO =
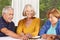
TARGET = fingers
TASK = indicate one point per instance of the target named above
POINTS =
(24, 38)
(44, 36)
(29, 35)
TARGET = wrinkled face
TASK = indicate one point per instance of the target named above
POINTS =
(53, 19)
(9, 15)
(29, 12)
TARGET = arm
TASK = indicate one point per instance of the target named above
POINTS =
(37, 28)
(19, 29)
(9, 33)
(44, 28)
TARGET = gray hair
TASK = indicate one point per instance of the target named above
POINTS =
(6, 8)
(24, 11)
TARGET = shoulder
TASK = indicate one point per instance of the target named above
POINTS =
(22, 20)
(1, 19)
(47, 21)
(58, 22)
(37, 19)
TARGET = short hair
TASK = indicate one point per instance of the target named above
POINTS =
(55, 12)
(24, 11)
(6, 8)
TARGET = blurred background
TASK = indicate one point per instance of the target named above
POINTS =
(18, 6)
(41, 7)
(45, 5)
(4, 3)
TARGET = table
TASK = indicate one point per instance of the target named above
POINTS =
(8, 38)
(37, 39)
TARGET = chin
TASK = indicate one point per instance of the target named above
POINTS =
(9, 21)
(30, 16)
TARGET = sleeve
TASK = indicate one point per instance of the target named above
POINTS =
(13, 27)
(19, 28)
(58, 28)
(2, 25)
(37, 28)
(44, 28)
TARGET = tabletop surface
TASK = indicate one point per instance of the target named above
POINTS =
(10, 38)
(7, 38)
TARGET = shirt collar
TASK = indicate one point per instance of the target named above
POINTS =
(4, 20)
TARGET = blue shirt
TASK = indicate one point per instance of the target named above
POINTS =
(4, 24)
(46, 27)
(52, 30)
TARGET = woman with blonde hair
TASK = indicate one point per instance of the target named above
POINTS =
(30, 25)
(52, 25)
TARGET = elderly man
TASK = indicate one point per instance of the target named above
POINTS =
(7, 27)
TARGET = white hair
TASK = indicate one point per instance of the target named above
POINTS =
(28, 5)
(6, 8)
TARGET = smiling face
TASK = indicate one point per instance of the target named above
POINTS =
(9, 15)
(53, 19)
(29, 12)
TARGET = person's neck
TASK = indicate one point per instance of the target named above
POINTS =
(53, 25)
(30, 18)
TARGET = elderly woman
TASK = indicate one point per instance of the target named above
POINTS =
(52, 25)
(30, 25)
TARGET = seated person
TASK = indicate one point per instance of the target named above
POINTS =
(7, 27)
(52, 25)
(30, 25)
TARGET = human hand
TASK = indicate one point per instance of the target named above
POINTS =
(29, 35)
(24, 38)
(52, 36)
(49, 38)
(44, 36)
